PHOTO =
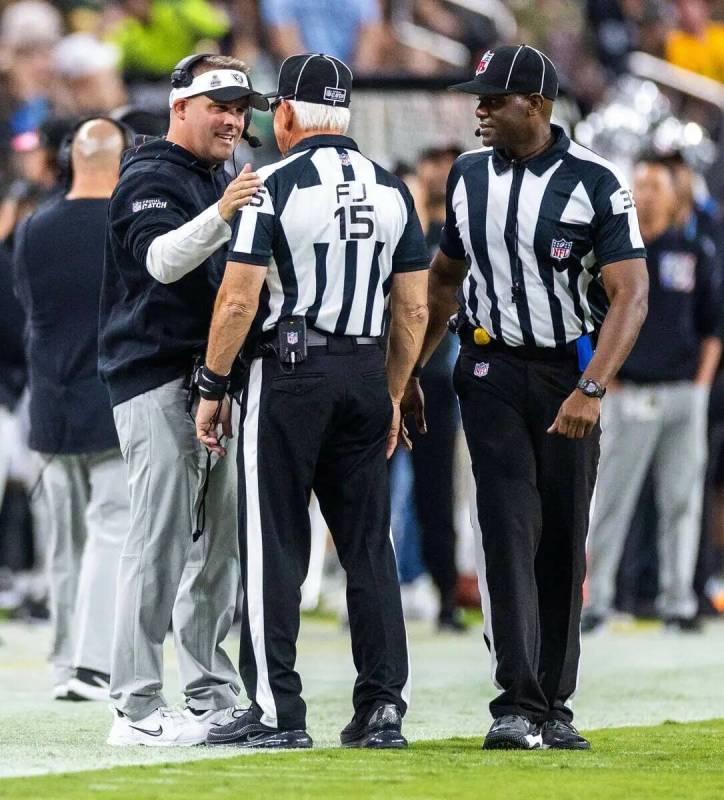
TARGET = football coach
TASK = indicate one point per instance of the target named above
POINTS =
(321, 406)
(541, 235)
(168, 225)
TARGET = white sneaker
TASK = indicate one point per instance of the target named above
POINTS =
(60, 691)
(214, 718)
(88, 684)
(163, 727)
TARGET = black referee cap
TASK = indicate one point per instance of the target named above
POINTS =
(315, 78)
(513, 69)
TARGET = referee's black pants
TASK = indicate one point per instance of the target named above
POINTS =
(433, 456)
(533, 492)
(322, 427)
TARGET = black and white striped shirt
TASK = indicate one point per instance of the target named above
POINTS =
(337, 227)
(535, 236)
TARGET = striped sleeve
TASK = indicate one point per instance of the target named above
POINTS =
(450, 242)
(253, 230)
(616, 235)
(411, 252)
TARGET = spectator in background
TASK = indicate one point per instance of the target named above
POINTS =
(28, 31)
(12, 360)
(37, 174)
(620, 26)
(156, 34)
(656, 415)
(90, 76)
(58, 271)
(697, 43)
(433, 452)
(351, 30)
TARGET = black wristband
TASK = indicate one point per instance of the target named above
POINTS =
(211, 386)
(416, 370)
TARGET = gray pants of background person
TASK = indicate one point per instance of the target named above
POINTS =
(88, 516)
(163, 573)
(661, 426)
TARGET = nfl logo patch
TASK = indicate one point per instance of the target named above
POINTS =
(484, 61)
(292, 337)
(344, 158)
(481, 369)
(560, 249)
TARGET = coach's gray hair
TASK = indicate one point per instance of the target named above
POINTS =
(315, 116)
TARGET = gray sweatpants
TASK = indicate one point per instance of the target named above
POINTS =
(163, 574)
(664, 426)
(88, 517)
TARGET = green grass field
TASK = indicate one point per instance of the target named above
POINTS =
(631, 676)
(671, 760)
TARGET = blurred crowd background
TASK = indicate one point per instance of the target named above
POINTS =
(637, 75)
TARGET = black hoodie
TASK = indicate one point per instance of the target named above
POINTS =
(149, 331)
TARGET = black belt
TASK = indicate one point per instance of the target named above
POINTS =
(333, 342)
(565, 353)
(316, 339)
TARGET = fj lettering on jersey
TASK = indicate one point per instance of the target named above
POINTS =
(337, 226)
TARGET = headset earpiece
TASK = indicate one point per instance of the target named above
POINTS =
(64, 158)
(182, 74)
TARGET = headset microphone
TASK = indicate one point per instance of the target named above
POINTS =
(252, 141)
(478, 132)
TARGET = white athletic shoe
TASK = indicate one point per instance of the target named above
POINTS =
(60, 691)
(214, 718)
(164, 727)
(89, 684)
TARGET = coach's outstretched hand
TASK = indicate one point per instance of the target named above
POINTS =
(239, 192)
(210, 415)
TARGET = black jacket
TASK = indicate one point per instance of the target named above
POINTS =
(684, 308)
(149, 331)
(58, 270)
(12, 324)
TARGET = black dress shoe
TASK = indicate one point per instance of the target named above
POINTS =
(248, 731)
(513, 732)
(560, 735)
(592, 622)
(451, 621)
(381, 731)
(684, 624)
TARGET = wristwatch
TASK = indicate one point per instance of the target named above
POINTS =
(590, 388)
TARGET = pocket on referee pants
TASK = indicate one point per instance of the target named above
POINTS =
(297, 384)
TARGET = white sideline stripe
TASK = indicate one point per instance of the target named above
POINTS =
(407, 688)
(483, 584)
(254, 547)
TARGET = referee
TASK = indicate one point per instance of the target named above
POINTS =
(539, 233)
(320, 410)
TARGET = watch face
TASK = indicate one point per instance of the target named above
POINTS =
(590, 388)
